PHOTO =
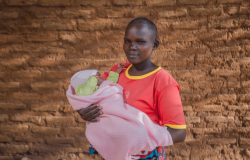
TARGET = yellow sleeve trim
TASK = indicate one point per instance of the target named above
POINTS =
(142, 76)
(176, 126)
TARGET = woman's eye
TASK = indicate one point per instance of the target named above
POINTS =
(127, 42)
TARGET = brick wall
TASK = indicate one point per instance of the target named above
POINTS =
(204, 44)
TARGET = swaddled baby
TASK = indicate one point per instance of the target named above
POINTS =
(90, 80)
(123, 130)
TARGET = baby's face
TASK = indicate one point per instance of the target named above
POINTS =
(98, 74)
(99, 78)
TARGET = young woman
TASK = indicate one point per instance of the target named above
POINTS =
(146, 86)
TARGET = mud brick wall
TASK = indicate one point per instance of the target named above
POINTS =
(204, 44)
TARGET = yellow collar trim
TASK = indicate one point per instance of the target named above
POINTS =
(142, 76)
(176, 126)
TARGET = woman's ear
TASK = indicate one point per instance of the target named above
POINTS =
(156, 44)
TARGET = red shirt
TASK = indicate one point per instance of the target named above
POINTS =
(155, 93)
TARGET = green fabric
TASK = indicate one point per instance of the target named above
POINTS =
(91, 85)
(113, 77)
(88, 88)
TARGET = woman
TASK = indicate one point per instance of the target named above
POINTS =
(146, 86)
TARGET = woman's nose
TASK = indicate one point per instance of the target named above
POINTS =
(132, 46)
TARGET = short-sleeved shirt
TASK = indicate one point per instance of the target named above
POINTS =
(155, 93)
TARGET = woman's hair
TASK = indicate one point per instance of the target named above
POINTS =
(151, 24)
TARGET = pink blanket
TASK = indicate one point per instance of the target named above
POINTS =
(122, 130)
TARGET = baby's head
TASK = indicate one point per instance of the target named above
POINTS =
(99, 78)
(97, 74)
(81, 77)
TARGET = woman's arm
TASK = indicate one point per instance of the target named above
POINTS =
(178, 135)
(171, 112)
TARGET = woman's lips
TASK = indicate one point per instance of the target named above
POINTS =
(132, 55)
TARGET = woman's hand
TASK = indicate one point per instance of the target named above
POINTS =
(91, 113)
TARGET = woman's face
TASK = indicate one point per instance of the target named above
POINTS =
(138, 43)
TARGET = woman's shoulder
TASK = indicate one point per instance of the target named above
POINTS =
(163, 78)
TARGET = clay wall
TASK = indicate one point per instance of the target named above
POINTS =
(204, 44)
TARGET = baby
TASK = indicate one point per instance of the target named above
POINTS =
(95, 80)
